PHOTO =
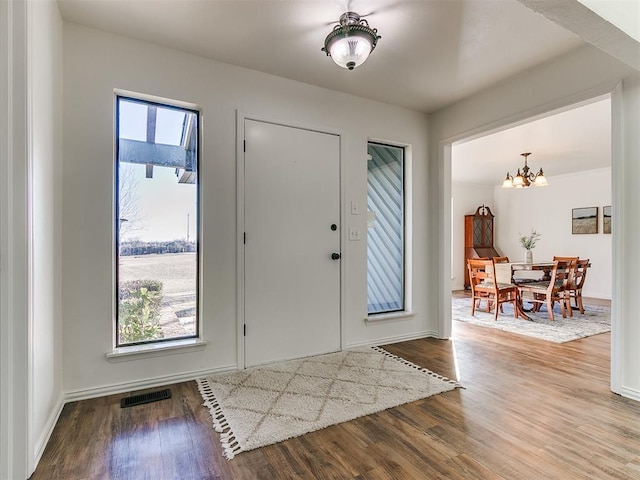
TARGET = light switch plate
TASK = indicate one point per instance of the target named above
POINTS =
(354, 234)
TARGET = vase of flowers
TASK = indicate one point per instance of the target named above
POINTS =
(528, 242)
(528, 257)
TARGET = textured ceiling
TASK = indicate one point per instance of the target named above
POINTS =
(432, 53)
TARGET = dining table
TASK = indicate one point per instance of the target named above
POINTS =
(505, 272)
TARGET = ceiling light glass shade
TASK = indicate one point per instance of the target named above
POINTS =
(350, 52)
(518, 181)
(540, 180)
(508, 182)
(351, 42)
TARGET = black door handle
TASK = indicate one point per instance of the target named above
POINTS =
(335, 256)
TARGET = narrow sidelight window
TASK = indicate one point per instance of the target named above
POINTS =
(157, 222)
(385, 232)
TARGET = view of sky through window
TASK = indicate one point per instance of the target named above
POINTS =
(166, 208)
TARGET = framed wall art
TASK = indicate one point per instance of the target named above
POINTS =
(584, 220)
(606, 219)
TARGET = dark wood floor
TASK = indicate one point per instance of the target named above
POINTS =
(530, 410)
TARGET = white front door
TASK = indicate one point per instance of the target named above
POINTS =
(292, 228)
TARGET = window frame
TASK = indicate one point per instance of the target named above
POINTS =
(405, 309)
(144, 346)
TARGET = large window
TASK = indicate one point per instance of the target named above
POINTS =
(157, 227)
(385, 229)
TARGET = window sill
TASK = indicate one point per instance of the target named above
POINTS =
(136, 352)
(389, 316)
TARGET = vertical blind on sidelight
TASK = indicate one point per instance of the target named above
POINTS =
(385, 228)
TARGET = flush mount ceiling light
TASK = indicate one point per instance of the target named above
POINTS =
(525, 178)
(350, 43)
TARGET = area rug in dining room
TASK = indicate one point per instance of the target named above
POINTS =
(268, 404)
(595, 320)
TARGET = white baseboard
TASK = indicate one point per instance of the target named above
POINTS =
(48, 430)
(393, 339)
(629, 393)
(113, 389)
(598, 295)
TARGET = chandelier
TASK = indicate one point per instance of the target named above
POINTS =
(351, 41)
(525, 178)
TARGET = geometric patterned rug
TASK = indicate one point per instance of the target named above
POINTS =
(267, 404)
(595, 320)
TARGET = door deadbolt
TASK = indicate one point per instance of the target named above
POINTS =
(334, 227)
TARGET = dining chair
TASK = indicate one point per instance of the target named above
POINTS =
(516, 280)
(504, 274)
(551, 291)
(482, 275)
(572, 273)
(574, 288)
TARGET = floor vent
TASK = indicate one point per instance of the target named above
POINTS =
(142, 398)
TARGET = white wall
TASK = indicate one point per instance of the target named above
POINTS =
(94, 64)
(548, 211)
(45, 85)
(580, 75)
(467, 198)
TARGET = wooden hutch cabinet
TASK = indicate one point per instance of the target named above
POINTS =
(478, 238)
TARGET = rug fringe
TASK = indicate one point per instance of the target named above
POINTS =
(417, 367)
(228, 440)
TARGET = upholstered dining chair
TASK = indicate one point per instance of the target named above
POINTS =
(512, 275)
(574, 288)
(551, 291)
(504, 274)
(482, 275)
